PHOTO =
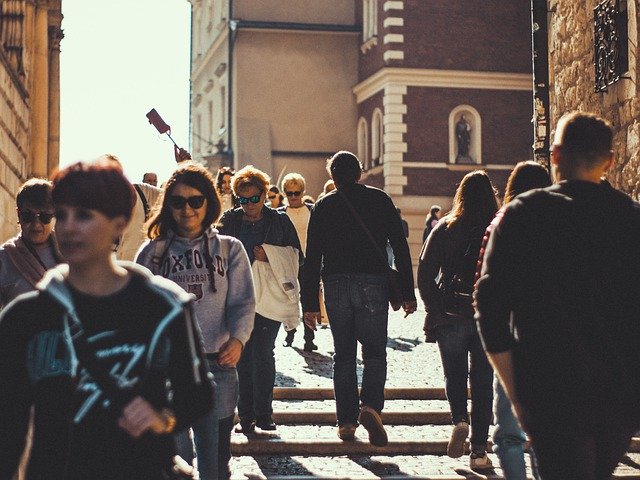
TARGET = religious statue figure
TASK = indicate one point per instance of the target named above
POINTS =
(463, 137)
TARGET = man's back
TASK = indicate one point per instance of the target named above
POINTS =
(567, 264)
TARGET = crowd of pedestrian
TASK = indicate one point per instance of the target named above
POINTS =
(114, 369)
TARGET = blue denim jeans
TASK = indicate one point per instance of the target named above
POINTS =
(358, 306)
(508, 437)
(457, 342)
(257, 370)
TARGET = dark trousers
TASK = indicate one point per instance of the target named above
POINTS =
(358, 306)
(457, 342)
(225, 425)
(309, 334)
(563, 453)
(257, 370)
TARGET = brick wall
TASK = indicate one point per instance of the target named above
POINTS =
(442, 182)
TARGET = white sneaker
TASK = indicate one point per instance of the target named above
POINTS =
(459, 435)
(480, 462)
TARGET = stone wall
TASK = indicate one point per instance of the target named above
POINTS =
(571, 54)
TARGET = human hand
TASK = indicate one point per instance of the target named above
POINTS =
(181, 154)
(409, 307)
(311, 319)
(230, 353)
(139, 416)
(260, 254)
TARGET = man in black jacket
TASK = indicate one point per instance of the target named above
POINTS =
(356, 289)
(558, 307)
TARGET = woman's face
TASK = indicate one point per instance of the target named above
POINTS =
(250, 192)
(188, 208)
(85, 235)
(33, 223)
(226, 184)
(274, 199)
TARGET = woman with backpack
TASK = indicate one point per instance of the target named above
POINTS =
(186, 249)
(446, 274)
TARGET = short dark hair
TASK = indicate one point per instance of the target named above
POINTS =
(584, 138)
(435, 209)
(195, 176)
(344, 167)
(36, 192)
(98, 185)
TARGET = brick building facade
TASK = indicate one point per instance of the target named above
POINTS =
(30, 37)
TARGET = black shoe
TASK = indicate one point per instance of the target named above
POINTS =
(246, 426)
(265, 422)
(288, 341)
(310, 346)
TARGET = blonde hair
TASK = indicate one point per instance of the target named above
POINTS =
(296, 179)
(250, 176)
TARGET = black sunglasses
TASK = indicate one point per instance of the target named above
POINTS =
(293, 194)
(177, 202)
(245, 200)
(27, 216)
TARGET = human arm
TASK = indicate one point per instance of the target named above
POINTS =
(15, 392)
(310, 288)
(240, 304)
(400, 247)
(180, 154)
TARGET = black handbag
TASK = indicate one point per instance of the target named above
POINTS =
(395, 285)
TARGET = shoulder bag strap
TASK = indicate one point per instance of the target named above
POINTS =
(358, 219)
(143, 199)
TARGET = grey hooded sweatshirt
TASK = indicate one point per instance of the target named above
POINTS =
(225, 304)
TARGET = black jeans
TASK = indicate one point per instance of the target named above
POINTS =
(564, 453)
(358, 307)
(257, 370)
(457, 342)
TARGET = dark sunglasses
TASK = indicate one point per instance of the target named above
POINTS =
(293, 194)
(271, 197)
(177, 202)
(245, 200)
(27, 216)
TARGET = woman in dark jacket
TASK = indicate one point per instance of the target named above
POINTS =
(255, 224)
(448, 261)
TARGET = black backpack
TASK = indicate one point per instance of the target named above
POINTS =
(456, 286)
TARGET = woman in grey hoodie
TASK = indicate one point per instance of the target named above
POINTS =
(215, 269)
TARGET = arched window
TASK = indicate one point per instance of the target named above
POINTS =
(465, 135)
(377, 137)
(363, 142)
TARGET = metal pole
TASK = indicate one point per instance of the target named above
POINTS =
(540, 59)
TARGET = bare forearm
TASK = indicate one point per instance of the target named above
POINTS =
(503, 366)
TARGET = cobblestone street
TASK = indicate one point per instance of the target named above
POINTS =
(411, 363)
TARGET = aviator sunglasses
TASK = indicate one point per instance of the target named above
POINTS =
(245, 200)
(293, 194)
(27, 216)
(177, 202)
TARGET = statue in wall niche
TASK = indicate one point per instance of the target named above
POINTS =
(463, 137)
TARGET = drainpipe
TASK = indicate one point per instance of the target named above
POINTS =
(540, 59)
(232, 25)
(190, 78)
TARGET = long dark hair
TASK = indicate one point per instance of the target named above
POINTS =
(475, 201)
(222, 171)
(195, 176)
(524, 177)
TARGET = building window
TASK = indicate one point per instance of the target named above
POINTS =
(223, 109)
(369, 19)
(377, 137)
(611, 42)
(363, 142)
(11, 32)
(198, 134)
(465, 136)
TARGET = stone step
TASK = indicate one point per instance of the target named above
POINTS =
(390, 393)
(323, 441)
(319, 417)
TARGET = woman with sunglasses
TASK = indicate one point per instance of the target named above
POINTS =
(256, 224)
(274, 197)
(107, 355)
(186, 249)
(25, 258)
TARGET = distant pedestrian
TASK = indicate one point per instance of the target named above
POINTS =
(274, 197)
(108, 356)
(150, 178)
(446, 273)
(294, 187)
(223, 187)
(356, 281)
(186, 249)
(431, 221)
(508, 436)
(558, 303)
(257, 226)
(329, 186)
